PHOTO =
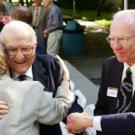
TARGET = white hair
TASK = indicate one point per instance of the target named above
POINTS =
(17, 28)
(127, 16)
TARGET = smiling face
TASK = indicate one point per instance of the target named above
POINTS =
(20, 48)
(122, 39)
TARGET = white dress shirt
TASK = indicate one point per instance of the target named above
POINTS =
(28, 74)
(97, 119)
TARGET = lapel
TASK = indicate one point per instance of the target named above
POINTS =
(115, 75)
(40, 72)
(47, 70)
(115, 70)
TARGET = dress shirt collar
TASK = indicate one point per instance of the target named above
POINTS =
(132, 69)
(28, 74)
(133, 73)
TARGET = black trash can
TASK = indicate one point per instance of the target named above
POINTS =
(73, 44)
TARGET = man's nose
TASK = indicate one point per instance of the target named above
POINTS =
(19, 53)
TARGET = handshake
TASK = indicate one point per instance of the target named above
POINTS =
(78, 122)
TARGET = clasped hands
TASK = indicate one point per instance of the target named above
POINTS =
(78, 122)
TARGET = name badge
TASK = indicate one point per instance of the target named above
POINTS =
(112, 92)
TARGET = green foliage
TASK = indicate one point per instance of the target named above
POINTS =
(103, 22)
(80, 4)
(88, 15)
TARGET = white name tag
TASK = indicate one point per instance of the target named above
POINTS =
(112, 92)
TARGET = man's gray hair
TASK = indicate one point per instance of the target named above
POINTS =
(18, 28)
(126, 16)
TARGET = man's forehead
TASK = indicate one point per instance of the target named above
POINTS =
(9, 36)
(16, 30)
(12, 40)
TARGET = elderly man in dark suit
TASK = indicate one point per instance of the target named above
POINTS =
(116, 93)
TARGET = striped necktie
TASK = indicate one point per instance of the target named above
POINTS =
(126, 92)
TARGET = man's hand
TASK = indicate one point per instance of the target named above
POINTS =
(3, 108)
(64, 67)
(45, 33)
(78, 122)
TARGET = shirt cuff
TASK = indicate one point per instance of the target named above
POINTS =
(97, 123)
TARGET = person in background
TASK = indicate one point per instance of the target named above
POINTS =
(53, 32)
(22, 13)
(116, 93)
(4, 19)
(19, 96)
(39, 13)
(9, 6)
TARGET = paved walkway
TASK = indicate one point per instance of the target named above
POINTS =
(88, 88)
(87, 23)
(82, 71)
(85, 69)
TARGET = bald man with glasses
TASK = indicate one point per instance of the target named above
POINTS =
(117, 89)
(115, 94)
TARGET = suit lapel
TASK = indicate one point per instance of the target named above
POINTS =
(115, 75)
(39, 72)
(114, 81)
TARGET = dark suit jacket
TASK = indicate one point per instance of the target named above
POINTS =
(111, 77)
(46, 69)
(118, 124)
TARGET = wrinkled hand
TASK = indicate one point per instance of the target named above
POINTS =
(64, 67)
(45, 33)
(78, 122)
(3, 108)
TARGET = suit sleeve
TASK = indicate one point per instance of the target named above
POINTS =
(118, 124)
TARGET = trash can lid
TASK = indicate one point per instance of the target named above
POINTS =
(73, 26)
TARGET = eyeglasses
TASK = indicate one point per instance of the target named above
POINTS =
(121, 39)
(13, 51)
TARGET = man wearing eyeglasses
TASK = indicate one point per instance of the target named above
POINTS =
(115, 94)
(20, 47)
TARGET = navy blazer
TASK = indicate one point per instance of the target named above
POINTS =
(118, 124)
(111, 77)
(46, 69)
